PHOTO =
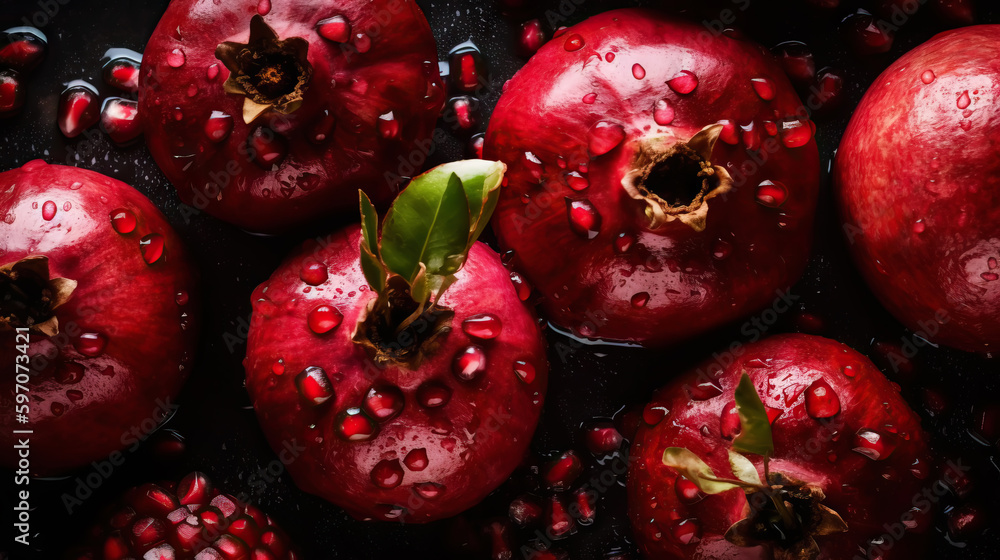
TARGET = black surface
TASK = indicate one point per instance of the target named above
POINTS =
(221, 434)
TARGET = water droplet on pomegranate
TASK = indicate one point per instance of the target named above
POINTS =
(176, 58)
(729, 134)
(91, 344)
(469, 363)
(574, 42)
(576, 181)
(69, 373)
(927, 77)
(624, 242)
(873, 445)
(151, 246)
(640, 300)
(123, 221)
(521, 286)
(795, 133)
(354, 425)
(590, 98)
(120, 120)
(533, 164)
(604, 137)
(324, 318)
(524, 371)
(484, 326)
(416, 460)
(278, 367)
(48, 210)
(584, 219)
(638, 72)
(387, 474)
(212, 71)
(218, 126)
(848, 371)
(383, 402)
(729, 421)
(764, 87)
(964, 100)
(686, 531)
(653, 414)
(313, 273)
(771, 194)
(264, 7)
(388, 126)
(336, 29)
(821, 401)
(684, 82)
(433, 394)
(267, 147)
(79, 108)
(314, 386)
(687, 491)
(663, 112)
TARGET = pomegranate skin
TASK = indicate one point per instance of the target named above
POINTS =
(364, 119)
(89, 400)
(915, 179)
(868, 494)
(623, 279)
(448, 456)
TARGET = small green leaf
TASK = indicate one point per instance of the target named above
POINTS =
(369, 223)
(743, 468)
(420, 290)
(373, 269)
(755, 436)
(692, 467)
(428, 223)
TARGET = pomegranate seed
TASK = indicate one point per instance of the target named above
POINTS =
(463, 113)
(525, 510)
(354, 425)
(154, 501)
(561, 472)
(603, 438)
(585, 505)
(797, 61)
(120, 120)
(830, 86)
(684, 82)
(121, 71)
(795, 133)
(663, 112)
(469, 363)
(484, 326)
(194, 489)
(604, 137)
(560, 522)
(314, 385)
(765, 88)
(729, 422)
(388, 126)
(245, 529)
(533, 36)
(91, 344)
(78, 109)
(383, 403)
(22, 49)
(148, 531)
(324, 318)
(468, 68)
(476, 144)
(966, 521)
(584, 219)
(11, 93)
(231, 548)
(874, 445)
(864, 34)
(573, 42)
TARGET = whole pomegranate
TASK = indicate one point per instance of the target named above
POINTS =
(413, 402)
(915, 181)
(269, 114)
(97, 311)
(662, 180)
(831, 461)
(187, 520)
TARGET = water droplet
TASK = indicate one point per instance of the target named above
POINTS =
(574, 42)
(663, 112)
(684, 82)
(383, 402)
(849, 371)
(990, 276)
(963, 100)
(91, 344)
(927, 76)
(484, 326)
(729, 134)
(524, 371)
(264, 7)
(873, 445)
(57, 408)
(388, 126)
(324, 318)
(533, 165)
(584, 219)
(576, 181)
(151, 246)
(687, 491)
(218, 126)
(765, 88)
(771, 194)
(278, 367)
(653, 414)
(416, 460)
(686, 531)
(640, 300)
(638, 72)
(521, 286)
(433, 394)
(469, 363)
(336, 29)
(604, 137)
(703, 390)
(729, 421)
(623, 242)
(314, 385)
(354, 425)
(387, 474)
(48, 210)
(429, 490)
(69, 373)
(919, 226)
(175, 58)
(821, 401)
(795, 133)
(212, 71)
(67, 206)
(590, 98)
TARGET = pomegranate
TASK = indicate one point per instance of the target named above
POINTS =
(832, 462)
(914, 181)
(269, 114)
(187, 520)
(421, 400)
(96, 309)
(661, 180)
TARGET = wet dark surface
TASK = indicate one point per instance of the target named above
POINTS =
(220, 431)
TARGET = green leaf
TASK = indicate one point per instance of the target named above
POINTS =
(369, 224)
(743, 468)
(373, 269)
(428, 223)
(692, 467)
(420, 291)
(755, 436)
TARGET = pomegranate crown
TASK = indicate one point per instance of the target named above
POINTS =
(784, 514)
(424, 241)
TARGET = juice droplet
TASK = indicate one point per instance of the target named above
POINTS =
(433, 395)
(584, 219)
(927, 77)
(729, 135)
(152, 246)
(919, 226)
(663, 112)
(176, 58)
(638, 72)
(212, 71)
(964, 100)
(684, 82)
(388, 126)
(610, 57)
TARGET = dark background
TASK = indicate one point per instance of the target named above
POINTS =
(218, 427)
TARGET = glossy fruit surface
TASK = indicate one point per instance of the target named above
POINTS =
(102, 284)
(837, 423)
(915, 181)
(302, 105)
(661, 179)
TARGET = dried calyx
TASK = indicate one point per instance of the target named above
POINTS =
(271, 74)
(29, 296)
(676, 181)
(424, 241)
(782, 514)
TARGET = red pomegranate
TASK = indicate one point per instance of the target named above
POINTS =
(412, 405)
(914, 177)
(846, 457)
(97, 311)
(269, 114)
(188, 520)
(662, 179)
